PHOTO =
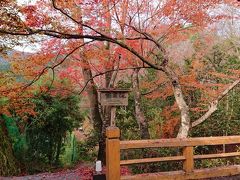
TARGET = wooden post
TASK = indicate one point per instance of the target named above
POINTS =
(113, 114)
(113, 153)
(188, 164)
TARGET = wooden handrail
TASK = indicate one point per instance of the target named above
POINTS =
(148, 160)
(181, 175)
(220, 155)
(180, 142)
(114, 145)
(177, 158)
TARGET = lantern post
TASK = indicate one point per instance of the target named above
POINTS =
(113, 98)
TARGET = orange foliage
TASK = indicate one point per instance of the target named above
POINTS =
(135, 24)
(171, 122)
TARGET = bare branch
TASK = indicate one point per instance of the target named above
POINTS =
(112, 70)
(114, 75)
(213, 105)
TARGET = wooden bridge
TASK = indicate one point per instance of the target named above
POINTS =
(114, 145)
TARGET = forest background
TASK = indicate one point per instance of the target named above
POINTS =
(180, 58)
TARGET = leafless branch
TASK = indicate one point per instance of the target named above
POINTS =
(213, 104)
(114, 75)
(112, 70)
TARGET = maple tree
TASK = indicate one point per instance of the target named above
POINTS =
(107, 37)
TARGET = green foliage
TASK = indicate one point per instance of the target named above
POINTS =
(75, 151)
(46, 132)
(211, 163)
(151, 153)
(3, 101)
(18, 140)
(12, 128)
(222, 58)
(42, 142)
(87, 149)
(8, 163)
(153, 112)
(225, 121)
(152, 109)
(126, 121)
(125, 118)
(70, 154)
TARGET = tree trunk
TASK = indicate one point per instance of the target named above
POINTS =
(93, 99)
(109, 79)
(94, 111)
(58, 148)
(185, 124)
(139, 115)
(8, 163)
(182, 105)
(50, 152)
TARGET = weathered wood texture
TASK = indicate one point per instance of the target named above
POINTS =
(114, 97)
(181, 175)
(220, 155)
(113, 157)
(179, 142)
(188, 164)
(113, 153)
(178, 158)
(148, 160)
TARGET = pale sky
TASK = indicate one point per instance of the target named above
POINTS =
(26, 2)
(28, 48)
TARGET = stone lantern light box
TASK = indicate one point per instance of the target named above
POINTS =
(114, 97)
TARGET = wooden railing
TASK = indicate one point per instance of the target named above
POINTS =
(114, 145)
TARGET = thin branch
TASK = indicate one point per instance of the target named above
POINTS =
(114, 75)
(154, 89)
(78, 36)
(54, 66)
(63, 12)
(112, 70)
(53, 78)
(213, 105)
(74, 20)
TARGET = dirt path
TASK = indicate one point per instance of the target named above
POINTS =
(80, 173)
